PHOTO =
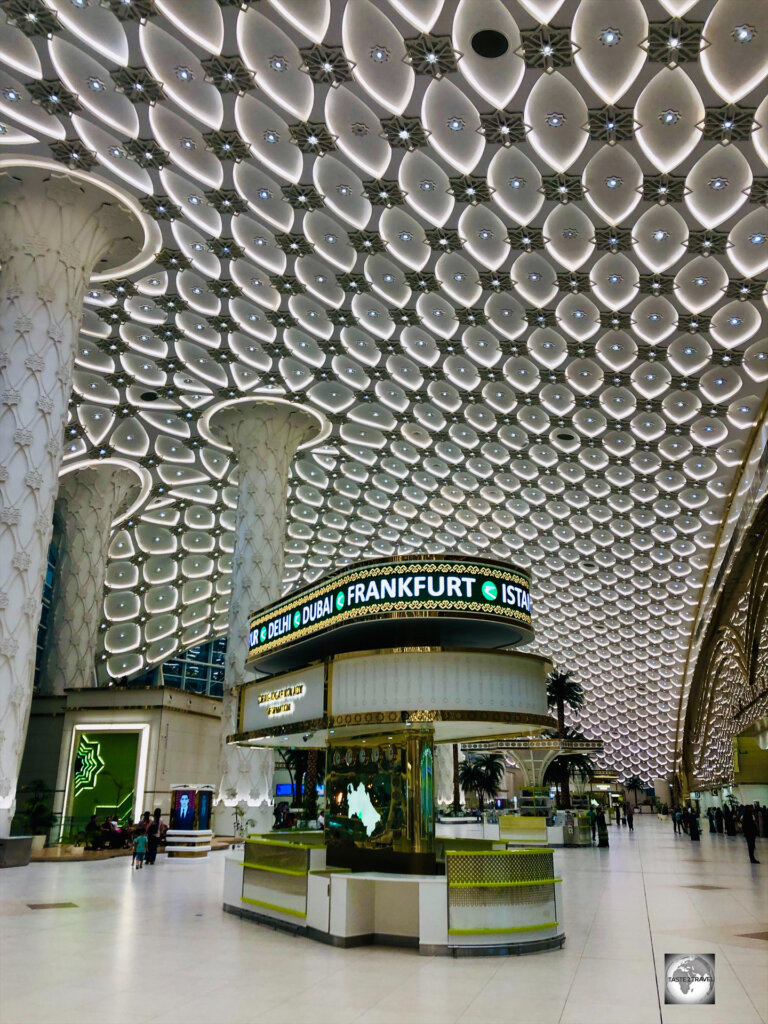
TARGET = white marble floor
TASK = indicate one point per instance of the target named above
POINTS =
(155, 946)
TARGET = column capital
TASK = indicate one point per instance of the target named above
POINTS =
(222, 423)
(34, 182)
(136, 480)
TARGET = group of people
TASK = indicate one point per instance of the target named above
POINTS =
(107, 835)
(148, 835)
(750, 819)
(685, 820)
(143, 838)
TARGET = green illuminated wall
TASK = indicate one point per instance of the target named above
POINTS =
(104, 774)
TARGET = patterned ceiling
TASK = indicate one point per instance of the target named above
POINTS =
(515, 252)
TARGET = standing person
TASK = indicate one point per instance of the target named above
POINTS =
(730, 821)
(139, 850)
(602, 828)
(711, 819)
(592, 819)
(764, 820)
(153, 836)
(693, 825)
(631, 817)
(618, 814)
(719, 816)
(748, 828)
(677, 817)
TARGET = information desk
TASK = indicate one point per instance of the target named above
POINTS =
(489, 902)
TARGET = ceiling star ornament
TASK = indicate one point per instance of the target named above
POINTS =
(611, 124)
(312, 137)
(227, 145)
(404, 132)
(546, 48)
(470, 188)
(229, 74)
(326, 64)
(74, 154)
(147, 153)
(663, 188)
(675, 41)
(431, 55)
(53, 96)
(89, 764)
(381, 192)
(503, 127)
(33, 17)
(730, 123)
(138, 84)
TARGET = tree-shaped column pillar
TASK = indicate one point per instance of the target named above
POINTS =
(264, 435)
(90, 498)
(56, 230)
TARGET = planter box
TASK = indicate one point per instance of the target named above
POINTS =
(15, 851)
(38, 843)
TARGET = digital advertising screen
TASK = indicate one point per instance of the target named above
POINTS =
(204, 810)
(183, 810)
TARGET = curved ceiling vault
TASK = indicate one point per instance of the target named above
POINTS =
(538, 331)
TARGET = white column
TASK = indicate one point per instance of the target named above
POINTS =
(89, 500)
(264, 436)
(54, 230)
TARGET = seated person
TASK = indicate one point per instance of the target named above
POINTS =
(93, 834)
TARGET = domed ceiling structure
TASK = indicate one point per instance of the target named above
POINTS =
(515, 252)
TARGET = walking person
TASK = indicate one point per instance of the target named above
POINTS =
(711, 819)
(749, 830)
(139, 850)
(153, 836)
(618, 815)
(677, 818)
(630, 817)
(719, 817)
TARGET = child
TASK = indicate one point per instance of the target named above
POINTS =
(140, 848)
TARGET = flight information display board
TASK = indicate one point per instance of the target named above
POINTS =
(453, 588)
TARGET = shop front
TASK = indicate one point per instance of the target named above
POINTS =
(378, 666)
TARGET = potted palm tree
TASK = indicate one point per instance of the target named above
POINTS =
(36, 813)
(482, 774)
(634, 784)
(562, 689)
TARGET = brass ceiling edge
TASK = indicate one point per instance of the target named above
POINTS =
(705, 598)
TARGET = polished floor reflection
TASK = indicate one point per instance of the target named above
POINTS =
(155, 946)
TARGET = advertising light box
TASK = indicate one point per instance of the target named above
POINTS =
(297, 697)
(408, 601)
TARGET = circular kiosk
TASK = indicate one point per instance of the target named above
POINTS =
(378, 665)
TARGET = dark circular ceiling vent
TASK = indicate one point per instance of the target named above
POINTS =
(149, 396)
(490, 43)
(563, 435)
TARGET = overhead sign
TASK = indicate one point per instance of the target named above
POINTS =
(452, 587)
